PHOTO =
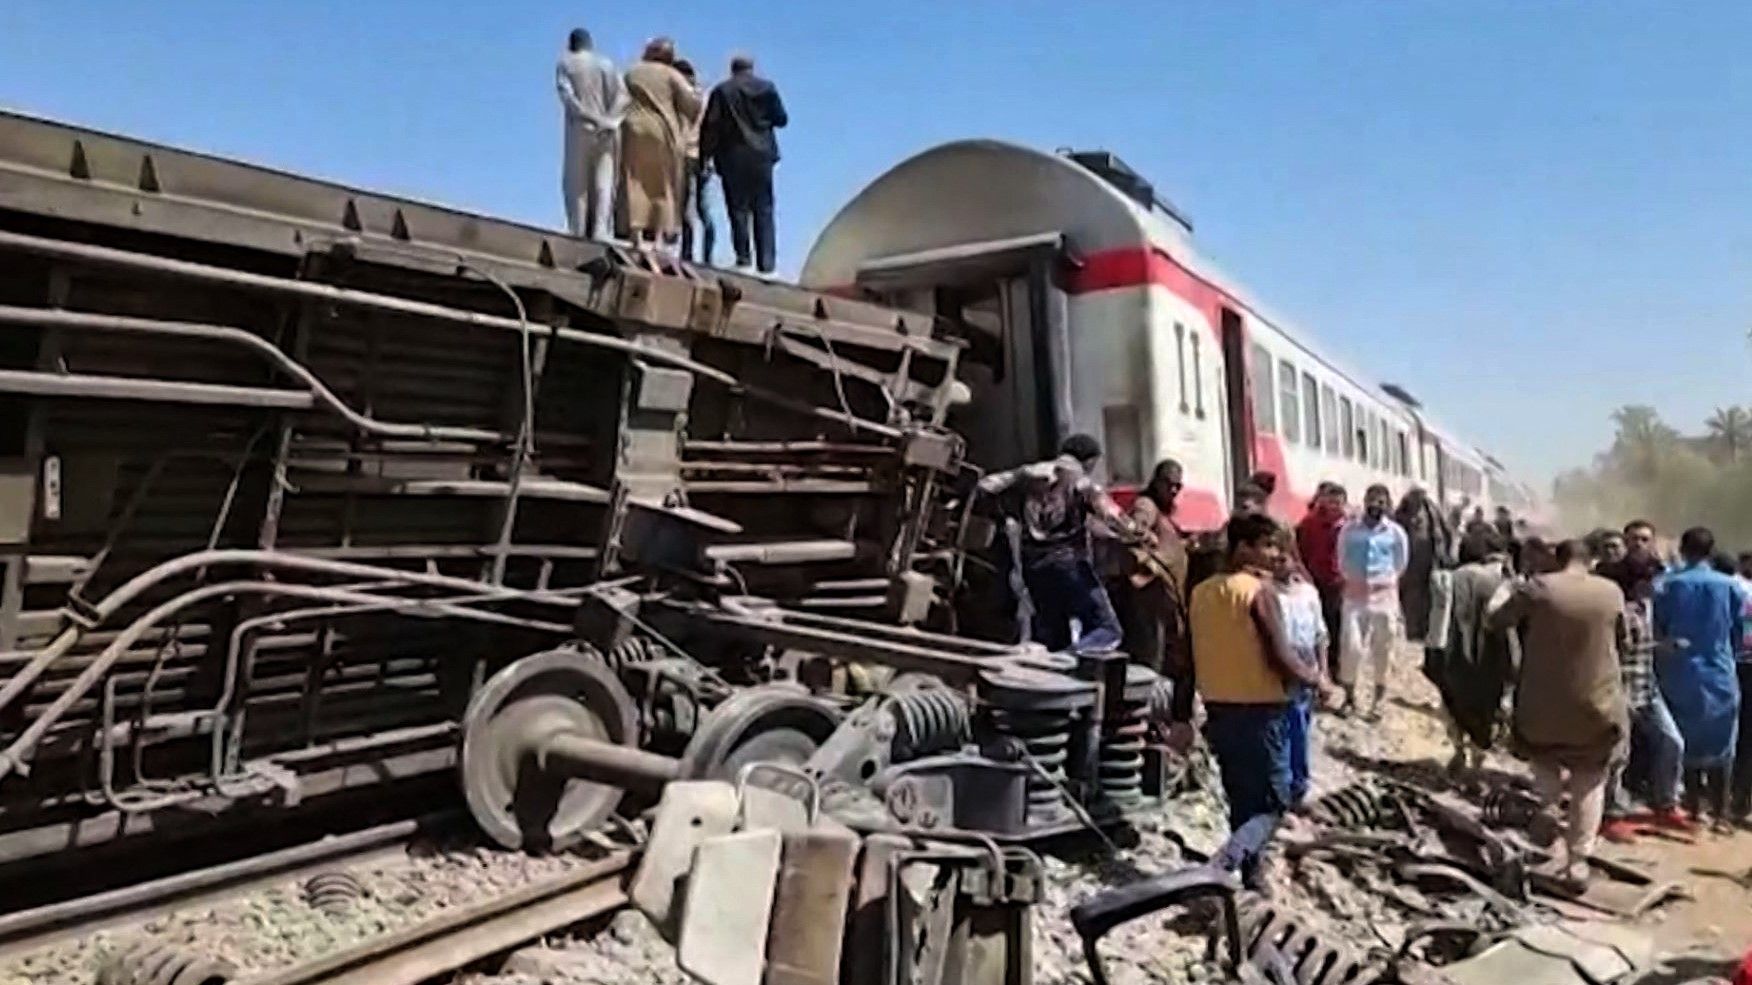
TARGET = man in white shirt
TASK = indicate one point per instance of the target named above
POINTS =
(1373, 552)
(594, 99)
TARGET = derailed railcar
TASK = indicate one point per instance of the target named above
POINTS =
(1088, 307)
(287, 470)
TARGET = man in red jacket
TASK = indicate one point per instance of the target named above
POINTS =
(1317, 541)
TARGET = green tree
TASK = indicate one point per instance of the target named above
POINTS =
(1729, 432)
(1641, 442)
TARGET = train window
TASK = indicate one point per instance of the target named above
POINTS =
(1349, 428)
(1264, 395)
(1289, 402)
(1124, 442)
(1197, 378)
(1329, 411)
(1311, 411)
(1404, 455)
(1364, 427)
(1180, 360)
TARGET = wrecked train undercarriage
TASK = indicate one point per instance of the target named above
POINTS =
(307, 492)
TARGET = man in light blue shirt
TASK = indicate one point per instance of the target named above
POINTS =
(1698, 612)
(1373, 552)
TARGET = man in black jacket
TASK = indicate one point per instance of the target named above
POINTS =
(737, 136)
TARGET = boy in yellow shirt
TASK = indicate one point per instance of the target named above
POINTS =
(1245, 670)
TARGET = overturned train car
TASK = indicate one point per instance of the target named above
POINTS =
(310, 495)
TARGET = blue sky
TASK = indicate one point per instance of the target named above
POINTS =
(1527, 212)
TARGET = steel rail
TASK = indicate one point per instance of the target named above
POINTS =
(457, 938)
(18, 926)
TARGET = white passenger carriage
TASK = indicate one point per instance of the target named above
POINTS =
(1086, 307)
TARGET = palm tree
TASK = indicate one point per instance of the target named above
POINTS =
(1730, 430)
(1642, 439)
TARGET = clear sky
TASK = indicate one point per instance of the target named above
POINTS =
(1527, 212)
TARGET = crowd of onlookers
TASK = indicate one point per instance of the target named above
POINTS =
(641, 149)
(1613, 670)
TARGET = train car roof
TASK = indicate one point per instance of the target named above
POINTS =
(993, 191)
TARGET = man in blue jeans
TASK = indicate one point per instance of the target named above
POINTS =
(1246, 672)
(1656, 747)
(1304, 628)
(1052, 502)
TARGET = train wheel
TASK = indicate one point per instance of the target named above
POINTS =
(516, 801)
(773, 723)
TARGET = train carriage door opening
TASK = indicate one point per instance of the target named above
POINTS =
(1003, 299)
(1235, 404)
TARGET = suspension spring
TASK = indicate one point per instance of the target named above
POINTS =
(1123, 736)
(1355, 806)
(152, 962)
(1270, 936)
(333, 894)
(1032, 712)
(928, 720)
(1045, 734)
(631, 651)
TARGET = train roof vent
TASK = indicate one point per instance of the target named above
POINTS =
(1132, 185)
(1400, 394)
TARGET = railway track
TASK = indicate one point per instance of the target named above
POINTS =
(379, 905)
(33, 928)
(455, 939)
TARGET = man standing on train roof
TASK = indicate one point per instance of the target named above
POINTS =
(1373, 553)
(737, 137)
(1052, 502)
(594, 101)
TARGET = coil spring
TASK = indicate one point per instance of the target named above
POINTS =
(1269, 935)
(332, 893)
(1046, 735)
(928, 720)
(632, 650)
(1122, 753)
(149, 962)
(1355, 806)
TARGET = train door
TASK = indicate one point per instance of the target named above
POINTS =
(1004, 300)
(1237, 433)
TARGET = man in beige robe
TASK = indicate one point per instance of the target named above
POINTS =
(662, 106)
(1570, 715)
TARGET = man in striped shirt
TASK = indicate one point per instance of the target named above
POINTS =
(1655, 744)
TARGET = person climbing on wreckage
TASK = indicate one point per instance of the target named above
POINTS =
(1052, 503)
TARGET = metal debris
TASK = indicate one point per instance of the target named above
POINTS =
(333, 893)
